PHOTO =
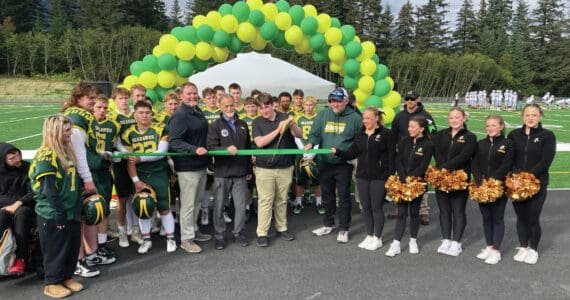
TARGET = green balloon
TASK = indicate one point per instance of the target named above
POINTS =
(351, 67)
(185, 68)
(167, 62)
(221, 39)
(241, 11)
(318, 57)
(375, 58)
(137, 68)
(324, 51)
(161, 92)
(152, 94)
(317, 41)
(256, 17)
(178, 32)
(268, 30)
(353, 49)
(289, 47)
(309, 25)
(348, 33)
(335, 22)
(235, 44)
(283, 6)
(151, 63)
(200, 65)
(381, 72)
(279, 40)
(374, 101)
(205, 33)
(297, 14)
(382, 88)
(189, 34)
(225, 9)
(350, 83)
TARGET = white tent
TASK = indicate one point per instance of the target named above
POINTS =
(263, 72)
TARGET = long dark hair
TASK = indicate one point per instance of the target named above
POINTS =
(423, 123)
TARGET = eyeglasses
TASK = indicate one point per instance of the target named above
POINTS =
(410, 99)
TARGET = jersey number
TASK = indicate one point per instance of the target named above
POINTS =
(71, 172)
(145, 147)
(100, 141)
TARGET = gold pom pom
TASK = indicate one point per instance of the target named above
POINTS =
(406, 192)
(488, 192)
(445, 180)
(521, 186)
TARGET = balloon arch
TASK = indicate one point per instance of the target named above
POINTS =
(210, 39)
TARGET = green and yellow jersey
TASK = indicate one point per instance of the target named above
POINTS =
(161, 118)
(125, 121)
(306, 123)
(249, 121)
(67, 183)
(81, 118)
(290, 112)
(240, 110)
(146, 142)
(105, 134)
(211, 115)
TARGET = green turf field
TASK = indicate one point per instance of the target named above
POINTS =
(21, 125)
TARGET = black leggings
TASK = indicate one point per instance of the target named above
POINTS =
(372, 193)
(60, 248)
(414, 206)
(528, 219)
(494, 221)
(21, 223)
(452, 213)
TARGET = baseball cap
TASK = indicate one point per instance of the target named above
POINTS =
(411, 94)
(338, 94)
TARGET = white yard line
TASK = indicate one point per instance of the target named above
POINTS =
(24, 138)
(27, 110)
(24, 119)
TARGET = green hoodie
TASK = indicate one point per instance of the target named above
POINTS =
(332, 130)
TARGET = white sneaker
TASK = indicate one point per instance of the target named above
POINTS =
(170, 245)
(123, 239)
(365, 242)
(136, 236)
(394, 249)
(144, 247)
(521, 254)
(162, 231)
(413, 247)
(129, 230)
(205, 220)
(324, 230)
(485, 253)
(531, 256)
(342, 237)
(444, 247)
(454, 249)
(493, 258)
(227, 218)
(374, 244)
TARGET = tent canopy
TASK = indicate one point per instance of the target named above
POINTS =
(263, 72)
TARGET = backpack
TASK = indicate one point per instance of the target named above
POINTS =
(7, 251)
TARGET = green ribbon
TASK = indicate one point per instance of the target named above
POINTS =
(227, 153)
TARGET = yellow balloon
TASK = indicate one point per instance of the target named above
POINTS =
(246, 32)
(304, 47)
(310, 10)
(220, 55)
(130, 81)
(356, 38)
(166, 79)
(366, 84)
(168, 43)
(360, 95)
(254, 4)
(199, 20)
(336, 53)
(214, 19)
(229, 24)
(390, 81)
(294, 35)
(360, 103)
(157, 51)
(112, 104)
(324, 23)
(367, 67)
(259, 43)
(269, 10)
(368, 50)
(148, 79)
(389, 114)
(283, 21)
(204, 51)
(392, 99)
(180, 80)
(333, 36)
(185, 50)
(334, 67)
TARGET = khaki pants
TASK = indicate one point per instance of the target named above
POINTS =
(272, 187)
(192, 185)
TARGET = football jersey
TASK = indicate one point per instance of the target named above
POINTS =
(105, 134)
(211, 115)
(161, 118)
(67, 183)
(125, 121)
(249, 121)
(306, 123)
(146, 142)
(241, 110)
(81, 118)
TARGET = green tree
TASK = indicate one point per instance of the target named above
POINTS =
(62, 16)
(175, 16)
(494, 37)
(147, 13)
(103, 14)
(404, 30)
(431, 27)
(466, 34)
(519, 50)
(23, 13)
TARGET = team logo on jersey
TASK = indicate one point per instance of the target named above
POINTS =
(536, 140)
(502, 149)
(461, 139)
(420, 151)
(377, 138)
(225, 133)
(334, 127)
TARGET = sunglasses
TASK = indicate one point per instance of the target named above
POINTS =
(410, 99)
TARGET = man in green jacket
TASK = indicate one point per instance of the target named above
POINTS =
(335, 126)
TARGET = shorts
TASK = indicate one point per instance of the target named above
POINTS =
(160, 183)
(123, 183)
(103, 180)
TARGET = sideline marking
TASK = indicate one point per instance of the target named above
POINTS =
(24, 119)
(24, 138)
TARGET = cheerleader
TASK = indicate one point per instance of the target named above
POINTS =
(413, 158)
(534, 151)
(454, 148)
(494, 158)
